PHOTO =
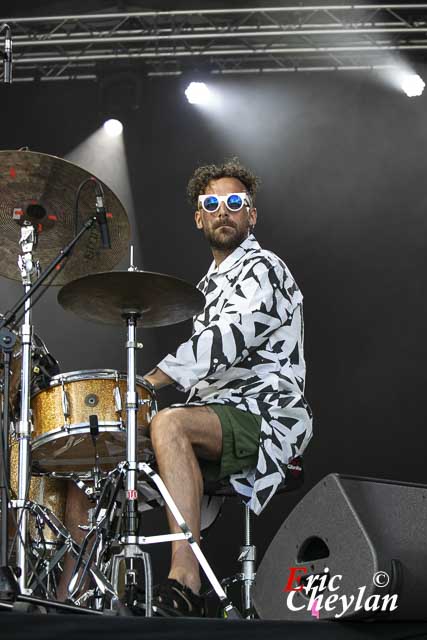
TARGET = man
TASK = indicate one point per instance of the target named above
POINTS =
(246, 416)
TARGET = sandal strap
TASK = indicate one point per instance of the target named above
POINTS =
(177, 599)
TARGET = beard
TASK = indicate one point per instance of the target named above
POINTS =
(226, 239)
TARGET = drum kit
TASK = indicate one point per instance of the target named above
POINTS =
(62, 226)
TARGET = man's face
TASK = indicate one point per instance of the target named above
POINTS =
(225, 229)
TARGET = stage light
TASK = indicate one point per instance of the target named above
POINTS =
(412, 85)
(197, 93)
(113, 128)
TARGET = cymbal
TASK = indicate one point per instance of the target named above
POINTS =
(107, 297)
(42, 188)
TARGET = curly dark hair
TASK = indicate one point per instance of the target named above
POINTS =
(228, 169)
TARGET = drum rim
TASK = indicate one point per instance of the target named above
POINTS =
(76, 430)
(103, 374)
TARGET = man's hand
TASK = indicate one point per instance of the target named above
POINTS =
(158, 378)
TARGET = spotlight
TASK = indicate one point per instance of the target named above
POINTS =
(413, 85)
(197, 93)
(113, 128)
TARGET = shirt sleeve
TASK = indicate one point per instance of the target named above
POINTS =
(262, 301)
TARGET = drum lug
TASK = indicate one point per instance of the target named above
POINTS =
(65, 402)
(117, 399)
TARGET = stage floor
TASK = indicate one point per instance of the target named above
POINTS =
(77, 627)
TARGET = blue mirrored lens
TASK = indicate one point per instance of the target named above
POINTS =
(234, 202)
(211, 203)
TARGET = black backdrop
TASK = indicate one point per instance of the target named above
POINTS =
(343, 202)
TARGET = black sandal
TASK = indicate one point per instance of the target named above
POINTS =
(175, 599)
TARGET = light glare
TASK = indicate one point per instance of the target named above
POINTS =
(413, 85)
(197, 93)
(113, 128)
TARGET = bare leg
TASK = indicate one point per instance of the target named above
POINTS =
(177, 434)
(76, 513)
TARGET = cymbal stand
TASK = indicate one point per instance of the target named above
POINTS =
(8, 584)
(131, 542)
(23, 429)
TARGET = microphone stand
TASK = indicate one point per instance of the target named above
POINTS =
(9, 589)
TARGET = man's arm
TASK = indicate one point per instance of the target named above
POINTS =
(158, 379)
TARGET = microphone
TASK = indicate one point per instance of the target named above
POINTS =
(7, 54)
(101, 216)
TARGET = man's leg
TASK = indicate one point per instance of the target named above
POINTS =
(178, 435)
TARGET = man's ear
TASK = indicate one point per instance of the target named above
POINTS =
(198, 219)
(253, 215)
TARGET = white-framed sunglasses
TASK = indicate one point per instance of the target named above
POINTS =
(233, 201)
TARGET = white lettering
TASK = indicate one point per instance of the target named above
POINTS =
(309, 583)
(322, 582)
(346, 604)
(388, 598)
(330, 601)
(375, 603)
(290, 602)
(331, 586)
(359, 604)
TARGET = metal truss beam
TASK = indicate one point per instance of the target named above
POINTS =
(240, 40)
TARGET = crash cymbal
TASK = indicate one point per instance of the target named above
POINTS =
(42, 188)
(107, 297)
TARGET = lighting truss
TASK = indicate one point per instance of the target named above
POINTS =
(220, 41)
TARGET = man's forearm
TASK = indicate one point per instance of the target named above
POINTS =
(158, 378)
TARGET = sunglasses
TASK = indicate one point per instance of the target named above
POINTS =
(233, 201)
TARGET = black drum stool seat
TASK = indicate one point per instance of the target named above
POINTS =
(293, 480)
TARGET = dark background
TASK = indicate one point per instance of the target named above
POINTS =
(343, 202)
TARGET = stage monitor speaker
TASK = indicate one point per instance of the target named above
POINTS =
(356, 547)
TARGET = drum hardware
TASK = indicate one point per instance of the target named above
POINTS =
(8, 584)
(69, 448)
(135, 297)
(138, 298)
(29, 174)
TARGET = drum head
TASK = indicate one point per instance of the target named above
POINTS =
(75, 452)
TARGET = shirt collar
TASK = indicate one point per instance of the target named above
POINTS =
(249, 244)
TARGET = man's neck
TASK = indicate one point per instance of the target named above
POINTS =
(219, 255)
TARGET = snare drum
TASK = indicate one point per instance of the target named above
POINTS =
(62, 437)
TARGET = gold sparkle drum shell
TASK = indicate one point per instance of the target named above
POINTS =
(38, 349)
(46, 491)
(62, 437)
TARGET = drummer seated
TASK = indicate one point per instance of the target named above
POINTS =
(193, 444)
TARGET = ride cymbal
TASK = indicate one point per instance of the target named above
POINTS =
(41, 189)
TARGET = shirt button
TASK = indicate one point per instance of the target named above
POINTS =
(215, 360)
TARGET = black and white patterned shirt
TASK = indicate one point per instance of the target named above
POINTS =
(246, 351)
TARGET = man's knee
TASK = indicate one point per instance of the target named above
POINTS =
(166, 425)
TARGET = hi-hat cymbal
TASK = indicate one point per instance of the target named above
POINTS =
(107, 298)
(42, 188)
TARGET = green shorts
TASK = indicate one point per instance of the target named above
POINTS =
(240, 442)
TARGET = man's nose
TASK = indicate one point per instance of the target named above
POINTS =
(223, 211)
